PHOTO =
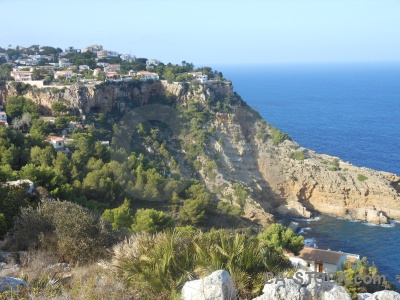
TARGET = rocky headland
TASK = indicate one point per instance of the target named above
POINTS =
(278, 175)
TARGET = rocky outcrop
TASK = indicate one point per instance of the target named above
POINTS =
(217, 286)
(382, 295)
(107, 96)
(328, 185)
(282, 184)
(290, 289)
(10, 283)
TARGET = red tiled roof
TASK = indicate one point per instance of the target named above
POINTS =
(54, 138)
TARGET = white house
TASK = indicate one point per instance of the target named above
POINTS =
(24, 182)
(21, 75)
(93, 48)
(112, 68)
(84, 67)
(199, 76)
(56, 142)
(48, 119)
(128, 57)
(146, 75)
(3, 119)
(3, 116)
(64, 62)
(318, 260)
(66, 74)
(4, 55)
(152, 62)
(72, 50)
(107, 54)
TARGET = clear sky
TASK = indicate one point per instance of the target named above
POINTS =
(207, 32)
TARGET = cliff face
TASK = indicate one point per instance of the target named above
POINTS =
(245, 154)
(314, 183)
(98, 98)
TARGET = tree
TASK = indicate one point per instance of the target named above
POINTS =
(16, 106)
(120, 217)
(193, 211)
(169, 76)
(61, 122)
(5, 71)
(151, 220)
(42, 157)
(12, 198)
(279, 237)
(41, 128)
(36, 75)
(58, 107)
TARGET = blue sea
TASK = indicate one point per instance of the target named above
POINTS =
(351, 111)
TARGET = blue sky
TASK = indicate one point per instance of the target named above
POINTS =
(212, 32)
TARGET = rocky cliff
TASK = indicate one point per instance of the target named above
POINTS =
(277, 174)
(285, 178)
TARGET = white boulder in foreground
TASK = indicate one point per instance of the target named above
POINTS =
(290, 289)
(217, 286)
(382, 295)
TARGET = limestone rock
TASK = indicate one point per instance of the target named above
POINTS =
(363, 296)
(384, 295)
(9, 270)
(282, 290)
(10, 283)
(217, 286)
(290, 289)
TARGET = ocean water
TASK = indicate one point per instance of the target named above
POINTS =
(351, 111)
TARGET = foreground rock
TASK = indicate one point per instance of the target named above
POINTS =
(290, 289)
(217, 286)
(382, 295)
(10, 283)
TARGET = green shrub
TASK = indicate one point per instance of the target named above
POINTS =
(240, 193)
(335, 166)
(278, 136)
(279, 237)
(73, 232)
(229, 209)
(362, 177)
(151, 220)
(120, 217)
(353, 270)
(298, 155)
(193, 211)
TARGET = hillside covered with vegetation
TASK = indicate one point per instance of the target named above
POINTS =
(135, 203)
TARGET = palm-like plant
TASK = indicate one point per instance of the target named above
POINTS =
(159, 264)
(243, 256)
